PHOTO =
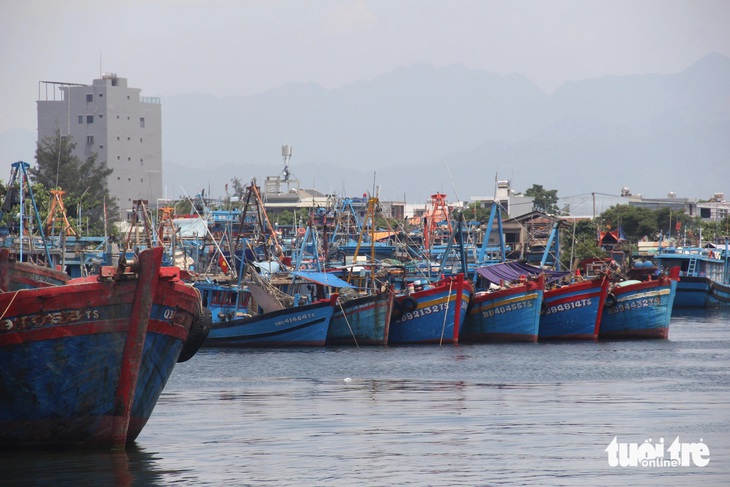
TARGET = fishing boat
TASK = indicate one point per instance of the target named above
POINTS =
(16, 275)
(258, 315)
(507, 302)
(361, 313)
(431, 314)
(639, 309)
(704, 276)
(506, 313)
(84, 363)
(364, 320)
(571, 307)
(573, 311)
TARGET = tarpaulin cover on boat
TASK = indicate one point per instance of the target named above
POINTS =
(511, 271)
(322, 278)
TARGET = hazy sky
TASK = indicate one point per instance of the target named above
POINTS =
(168, 47)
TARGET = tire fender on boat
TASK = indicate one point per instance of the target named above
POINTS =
(397, 310)
(610, 300)
(410, 304)
(197, 335)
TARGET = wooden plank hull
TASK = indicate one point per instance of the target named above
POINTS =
(84, 363)
(509, 315)
(573, 312)
(22, 275)
(639, 310)
(701, 292)
(301, 326)
(436, 315)
(362, 321)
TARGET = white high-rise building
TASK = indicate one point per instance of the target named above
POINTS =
(114, 121)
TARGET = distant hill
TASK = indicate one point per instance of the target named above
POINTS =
(418, 130)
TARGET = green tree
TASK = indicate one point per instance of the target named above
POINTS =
(85, 182)
(544, 199)
(41, 196)
(636, 222)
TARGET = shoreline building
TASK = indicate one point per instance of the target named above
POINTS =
(118, 124)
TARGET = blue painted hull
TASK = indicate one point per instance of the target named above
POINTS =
(84, 364)
(701, 292)
(361, 321)
(301, 326)
(641, 310)
(509, 315)
(66, 400)
(573, 312)
(704, 277)
(436, 317)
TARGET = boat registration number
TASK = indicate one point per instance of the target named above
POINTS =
(636, 304)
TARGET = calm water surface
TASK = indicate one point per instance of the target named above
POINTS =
(525, 414)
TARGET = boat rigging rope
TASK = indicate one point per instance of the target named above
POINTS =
(348, 322)
(9, 304)
(446, 313)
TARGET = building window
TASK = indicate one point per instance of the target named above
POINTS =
(89, 98)
(141, 180)
(118, 158)
(129, 139)
(89, 140)
(140, 140)
(127, 97)
(129, 159)
(118, 138)
(81, 119)
(89, 119)
(141, 122)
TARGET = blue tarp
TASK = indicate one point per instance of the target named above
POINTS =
(322, 278)
(511, 271)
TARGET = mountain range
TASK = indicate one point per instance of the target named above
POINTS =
(420, 130)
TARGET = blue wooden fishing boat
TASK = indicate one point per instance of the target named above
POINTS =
(573, 311)
(238, 320)
(364, 320)
(507, 314)
(358, 319)
(83, 363)
(433, 314)
(639, 309)
(704, 277)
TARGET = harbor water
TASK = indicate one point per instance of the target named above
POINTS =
(508, 414)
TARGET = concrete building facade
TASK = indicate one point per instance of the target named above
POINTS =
(114, 121)
(514, 203)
